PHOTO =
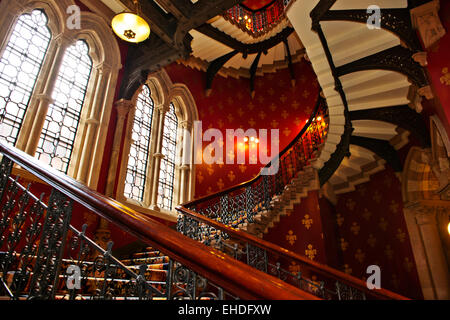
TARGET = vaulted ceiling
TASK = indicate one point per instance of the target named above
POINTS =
(196, 32)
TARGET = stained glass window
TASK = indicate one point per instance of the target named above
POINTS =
(140, 147)
(20, 65)
(167, 171)
(63, 116)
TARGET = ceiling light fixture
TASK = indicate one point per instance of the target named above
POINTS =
(130, 26)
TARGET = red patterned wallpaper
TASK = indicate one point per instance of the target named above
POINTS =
(256, 4)
(276, 105)
(301, 230)
(439, 69)
(371, 230)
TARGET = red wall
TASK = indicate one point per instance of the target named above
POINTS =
(276, 105)
(301, 230)
(439, 71)
(371, 229)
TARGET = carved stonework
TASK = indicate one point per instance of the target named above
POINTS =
(425, 18)
(415, 99)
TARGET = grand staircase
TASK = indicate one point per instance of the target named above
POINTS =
(216, 251)
(373, 80)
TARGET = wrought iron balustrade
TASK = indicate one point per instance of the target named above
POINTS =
(317, 279)
(43, 256)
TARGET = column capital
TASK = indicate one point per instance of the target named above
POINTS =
(63, 40)
(123, 107)
(163, 108)
(158, 156)
(45, 97)
(426, 211)
(185, 124)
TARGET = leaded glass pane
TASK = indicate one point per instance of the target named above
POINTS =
(20, 65)
(63, 116)
(140, 147)
(169, 150)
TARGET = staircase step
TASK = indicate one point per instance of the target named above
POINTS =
(146, 260)
(147, 254)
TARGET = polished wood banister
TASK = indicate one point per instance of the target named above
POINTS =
(277, 250)
(257, 177)
(233, 276)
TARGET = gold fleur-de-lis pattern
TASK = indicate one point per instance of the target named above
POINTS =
(310, 252)
(291, 237)
(445, 79)
(307, 221)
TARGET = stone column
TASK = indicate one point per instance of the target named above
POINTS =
(37, 110)
(432, 266)
(101, 80)
(184, 168)
(103, 234)
(157, 156)
(123, 108)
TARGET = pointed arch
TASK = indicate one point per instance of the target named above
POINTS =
(91, 133)
(173, 103)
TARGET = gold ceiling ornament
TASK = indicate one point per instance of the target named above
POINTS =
(130, 26)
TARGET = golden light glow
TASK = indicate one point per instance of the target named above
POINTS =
(448, 228)
(319, 118)
(130, 27)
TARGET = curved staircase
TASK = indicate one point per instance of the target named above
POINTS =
(366, 64)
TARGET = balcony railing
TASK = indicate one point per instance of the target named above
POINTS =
(256, 22)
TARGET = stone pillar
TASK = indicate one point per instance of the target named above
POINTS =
(432, 266)
(157, 156)
(37, 110)
(101, 80)
(123, 107)
(103, 234)
(186, 157)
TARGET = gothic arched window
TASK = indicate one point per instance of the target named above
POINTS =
(57, 85)
(20, 64)
(63, 115)
(140, 146)
(156, 168)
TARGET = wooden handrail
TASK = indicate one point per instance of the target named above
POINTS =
(279, 251)
(233, 276)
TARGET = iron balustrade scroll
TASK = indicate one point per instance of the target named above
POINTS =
(317, 279)
(43, 256)
(40, 253)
